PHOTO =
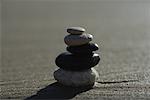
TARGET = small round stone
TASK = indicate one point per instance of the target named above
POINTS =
(83, 49)
(76, 79)
(76, 40)
(69, 61)
(75, 30)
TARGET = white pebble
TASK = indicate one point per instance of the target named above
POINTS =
(75, 30)
(76, 79)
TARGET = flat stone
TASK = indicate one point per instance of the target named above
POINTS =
(69, 61)
(76, 40)
(76, 79)
(83, 49)
(75, 30)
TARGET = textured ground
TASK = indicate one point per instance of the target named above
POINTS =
(33, 33)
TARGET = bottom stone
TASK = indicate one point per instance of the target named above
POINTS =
(76, 79)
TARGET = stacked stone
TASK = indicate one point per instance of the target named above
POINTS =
(76, 65)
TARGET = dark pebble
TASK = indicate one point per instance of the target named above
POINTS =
(68, 61)
(83, 49)
(76, 40)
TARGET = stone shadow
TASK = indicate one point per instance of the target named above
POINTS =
(58, 91)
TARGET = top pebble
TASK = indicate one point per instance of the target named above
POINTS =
(75, 30)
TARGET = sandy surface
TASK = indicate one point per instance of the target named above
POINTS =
(33, 33)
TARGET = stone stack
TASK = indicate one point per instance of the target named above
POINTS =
(76, 65)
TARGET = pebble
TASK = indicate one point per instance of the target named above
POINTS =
(83, 49)
(76, 79)
(69, 61)
(76, 40)
(75, 30)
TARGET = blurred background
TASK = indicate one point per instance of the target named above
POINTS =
(33, 33)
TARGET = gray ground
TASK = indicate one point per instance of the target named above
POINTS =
(32, 37)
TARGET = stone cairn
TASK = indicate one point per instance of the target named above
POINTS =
(76, 65)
